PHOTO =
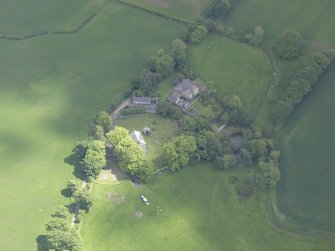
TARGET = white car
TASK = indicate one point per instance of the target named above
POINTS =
(145, 200)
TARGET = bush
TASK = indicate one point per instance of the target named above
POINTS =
(197, 35)
(289, 45)
(256, 38)
(220, 8)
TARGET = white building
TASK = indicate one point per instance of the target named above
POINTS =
(138, 138)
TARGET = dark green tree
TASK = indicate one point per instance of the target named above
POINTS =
(289, 45)
(196, 36)
(103, 119)
(165, 65)
(178, 51)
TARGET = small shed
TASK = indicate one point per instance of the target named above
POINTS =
(142, 100)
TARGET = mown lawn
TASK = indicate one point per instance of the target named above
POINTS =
(200, 211)
(163, 131)
(306, 192)
(51, 87)
(185, 10)
(234, 67)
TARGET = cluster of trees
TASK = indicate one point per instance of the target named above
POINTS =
(289, 45)
(101, 125)
(255, 38)
(302, 83)
(195, 33)
(259, 151)
(234, 113)
(80, 195)
(159, 66)
(180, 151)
(166, 109)
(262, 151)
(220, 8)
(194, 124)
(60, 234)
(91, 156)
(131, 157)
(184, 149)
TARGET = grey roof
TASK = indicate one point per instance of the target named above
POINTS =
(142, 100)
(187, 88)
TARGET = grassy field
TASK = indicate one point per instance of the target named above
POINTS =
(185, 10)
(24, 17)
(276, 16)
(51, 87)
(306, 193)
(163, 130)
(200, 211)
(235, 68)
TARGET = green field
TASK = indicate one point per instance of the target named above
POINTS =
(24, 17)
(51, 87)
(234, 67)
(306, 193)
(200, 211)
(185, 10)
(313, 22)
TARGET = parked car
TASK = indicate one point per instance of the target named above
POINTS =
(145, 200)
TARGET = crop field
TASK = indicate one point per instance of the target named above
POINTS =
(195, 209)
(306, 193)
(235, 68)
(185, 10)
(51, 86)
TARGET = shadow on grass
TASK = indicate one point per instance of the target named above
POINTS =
(42, 243)
(66, 192)
(74, 161)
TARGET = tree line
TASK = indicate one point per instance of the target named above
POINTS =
(302, 83)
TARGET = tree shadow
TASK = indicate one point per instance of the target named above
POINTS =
(74, 161)
(42, 243)
(66, 192)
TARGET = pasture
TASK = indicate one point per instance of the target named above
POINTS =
(311, 19)
(51, 87)
(185, 10)
(24, 17)
(233, 67)
(306, 191)
(194, 209)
